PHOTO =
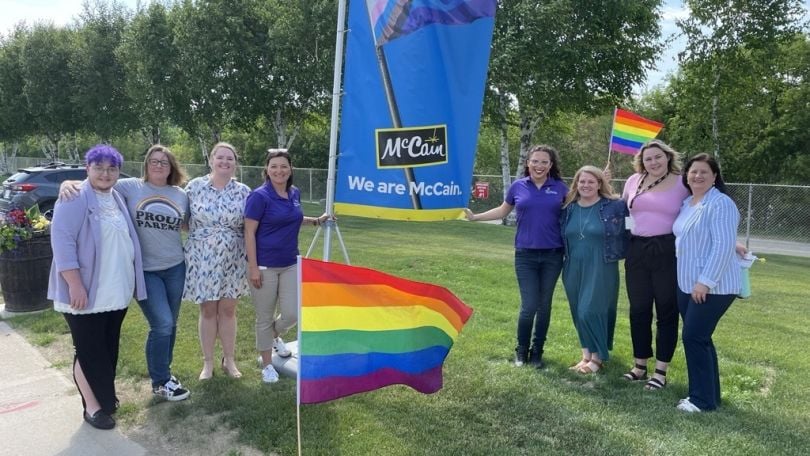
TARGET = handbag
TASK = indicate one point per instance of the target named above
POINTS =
(745, 276)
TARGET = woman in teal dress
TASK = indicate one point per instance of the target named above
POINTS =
(595, 240)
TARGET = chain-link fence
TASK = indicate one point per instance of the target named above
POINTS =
(779, 212)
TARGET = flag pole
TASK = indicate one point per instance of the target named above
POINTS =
(330, 224)
(610, 138)
(298, 371)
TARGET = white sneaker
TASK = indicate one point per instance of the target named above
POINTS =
(269, 374)
(280, 348)
(686, 406)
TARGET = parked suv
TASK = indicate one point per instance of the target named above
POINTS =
(39, 185)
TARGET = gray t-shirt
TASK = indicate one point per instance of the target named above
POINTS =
(158, 214)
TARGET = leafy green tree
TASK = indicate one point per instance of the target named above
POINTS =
(147, 53)
(16, 121)
(726, 40)
(46, 54)
(98, 95)
(298, 81)
(566, 56)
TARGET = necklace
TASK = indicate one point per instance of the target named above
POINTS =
(641, 182)
(584, 219)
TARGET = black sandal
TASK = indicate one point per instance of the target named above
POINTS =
(631, 376)
(655, 384)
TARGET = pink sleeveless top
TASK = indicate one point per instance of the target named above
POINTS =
(653, 212)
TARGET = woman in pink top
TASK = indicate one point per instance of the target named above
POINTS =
(654, 196)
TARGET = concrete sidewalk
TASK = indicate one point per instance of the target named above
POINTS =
(41, 411)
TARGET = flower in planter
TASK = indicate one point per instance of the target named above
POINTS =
(18, 225)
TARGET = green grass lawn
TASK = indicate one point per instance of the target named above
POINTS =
(488, 406)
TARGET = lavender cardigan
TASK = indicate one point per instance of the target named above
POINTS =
(76, 244)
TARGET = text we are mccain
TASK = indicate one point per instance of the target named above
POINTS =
(361, 183)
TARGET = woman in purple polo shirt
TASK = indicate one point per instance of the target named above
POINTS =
(273, 217)
(537, 199)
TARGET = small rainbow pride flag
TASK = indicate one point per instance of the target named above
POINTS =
(631, 131)
(361, 330)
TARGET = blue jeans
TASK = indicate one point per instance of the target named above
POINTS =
(537, 272)
(164, 291)
(699, 322)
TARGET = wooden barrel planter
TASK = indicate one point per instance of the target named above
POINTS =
(24, 274)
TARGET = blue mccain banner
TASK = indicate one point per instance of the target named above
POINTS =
(414, 84)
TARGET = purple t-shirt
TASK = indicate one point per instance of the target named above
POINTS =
(279, 222)
(538, 212)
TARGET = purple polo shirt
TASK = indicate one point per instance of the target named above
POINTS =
(538, 212)
(279, 222)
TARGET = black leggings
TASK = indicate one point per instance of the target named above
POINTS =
(651, 277)
(95, 340)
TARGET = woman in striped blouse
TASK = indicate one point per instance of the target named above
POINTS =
(708, 275)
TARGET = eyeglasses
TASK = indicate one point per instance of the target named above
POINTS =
(111, 171)
(156, 162)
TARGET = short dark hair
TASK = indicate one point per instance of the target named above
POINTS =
(103, 152)
(719, 184)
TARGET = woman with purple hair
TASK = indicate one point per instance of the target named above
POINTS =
(96, 270)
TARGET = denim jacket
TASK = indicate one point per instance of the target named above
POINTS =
(612, 214)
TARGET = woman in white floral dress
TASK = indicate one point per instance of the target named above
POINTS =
(215, 255)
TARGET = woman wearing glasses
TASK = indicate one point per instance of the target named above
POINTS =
(158, 207)
(537, 199)
(96, 271)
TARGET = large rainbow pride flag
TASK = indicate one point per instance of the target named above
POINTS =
(361, 330)
(631, 131)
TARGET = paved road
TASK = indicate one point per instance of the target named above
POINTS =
(763, 246)
(41, 411)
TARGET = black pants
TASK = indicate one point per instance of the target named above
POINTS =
(651, 277)
(95, 340)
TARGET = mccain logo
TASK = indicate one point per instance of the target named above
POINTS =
(413, 146)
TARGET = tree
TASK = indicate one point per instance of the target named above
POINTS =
(566, 56)
(723, 35)
(48, 83)
(16, 121)
(298, 81)
(98, 94)
(147, 53)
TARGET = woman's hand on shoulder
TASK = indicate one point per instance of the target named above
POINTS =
(69, 189)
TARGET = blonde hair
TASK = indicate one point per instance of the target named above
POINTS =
(605, 189)
(673, 157)
(224, 145)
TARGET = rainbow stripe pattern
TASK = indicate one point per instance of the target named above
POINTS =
(361, 330)
(631, 131)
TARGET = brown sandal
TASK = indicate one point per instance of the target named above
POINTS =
(587, 369)
(579, 365)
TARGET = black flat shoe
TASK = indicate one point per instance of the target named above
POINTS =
(100, 420)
